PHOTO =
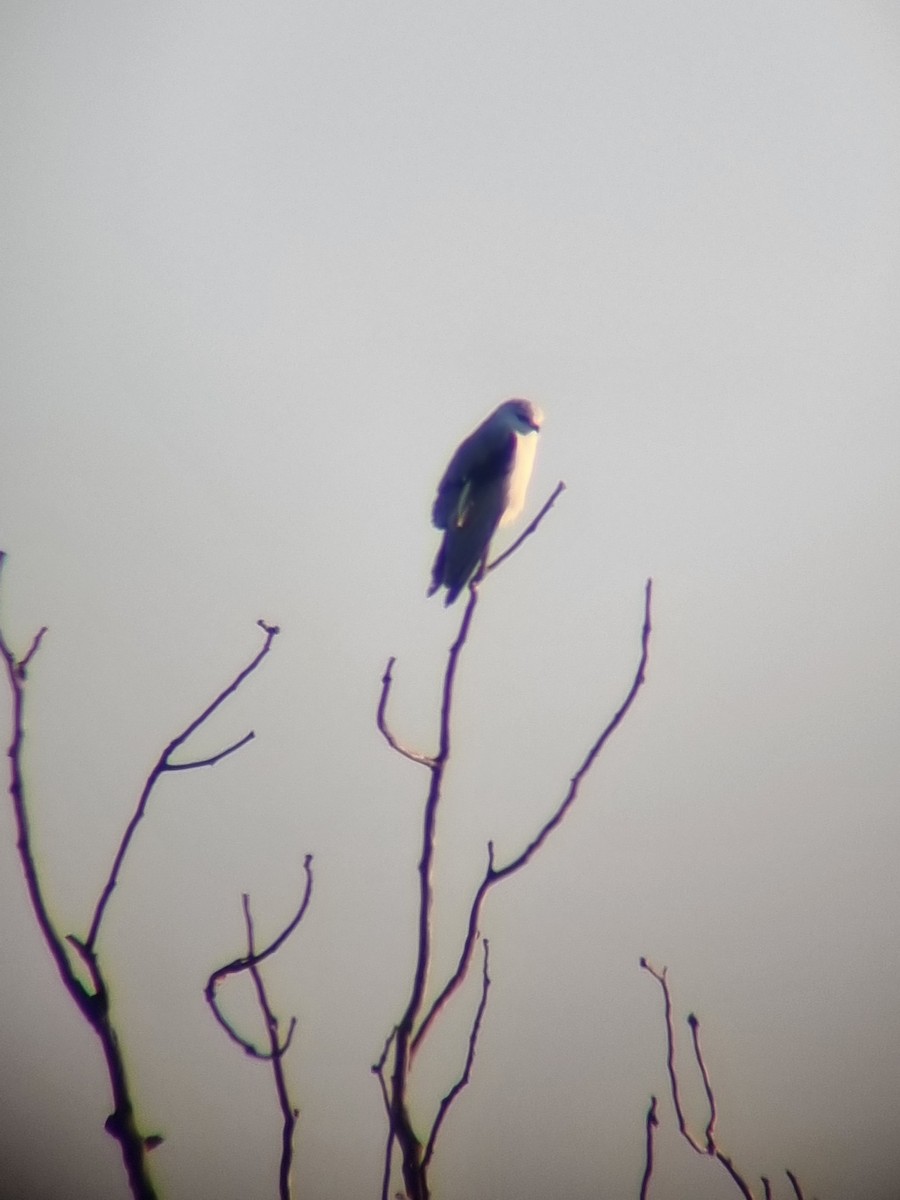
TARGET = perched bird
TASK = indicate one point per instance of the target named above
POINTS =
(483, 487)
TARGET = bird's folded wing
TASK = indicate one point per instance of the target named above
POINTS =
(484, 459)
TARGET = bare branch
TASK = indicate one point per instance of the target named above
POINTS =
(463, 1080)
(588, 762)
(694, 1023)
(164, 764)
(93, 1005)
(22, 666)
(794, 1184)
(250, 961)
(652, 1123)
(378, 1070)
(413, 755)
(662, 979)
(494, 875)
(740, 1182)
(713, 1150)
(213, 759)
(528, 530)
(277, 1050)
(410, 1030)
(54, 941)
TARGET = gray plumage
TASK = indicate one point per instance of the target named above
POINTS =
(483, 487)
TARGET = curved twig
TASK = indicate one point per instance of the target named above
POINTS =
(213, 758)
(694, 1023)
(387, 679)
(249, 962)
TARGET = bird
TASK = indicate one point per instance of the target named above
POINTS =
(483, 487)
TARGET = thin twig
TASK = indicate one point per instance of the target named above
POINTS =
(277, 1051)
(463, 1080)
(214, 758)
(794, 1184)
(22, 666)
(740, 1182)
(93, 1005)
(378, 1070)
(652, 1123)
(164, 764)
(251, 960)
(528, 530)
(662, 979)
(712, 1149)
(694, 1023)
(387, 679)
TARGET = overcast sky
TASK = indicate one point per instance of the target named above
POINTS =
(264, 266)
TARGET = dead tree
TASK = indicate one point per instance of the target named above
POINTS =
(395, 1065)
(93, 999)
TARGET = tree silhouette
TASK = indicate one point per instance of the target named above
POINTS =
(395, 1065)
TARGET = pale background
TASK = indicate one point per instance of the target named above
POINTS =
(264, 265)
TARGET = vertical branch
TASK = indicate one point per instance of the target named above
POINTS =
(411, 1150)
(93, 1001)
(401, 1043)
(694, 1023)
(378, 1071)
(712, 1149)
(413, 1027)
(94, 1005)
(277, 1048)
(662, 980)
(651, 1124)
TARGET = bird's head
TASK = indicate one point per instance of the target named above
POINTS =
(522, 416)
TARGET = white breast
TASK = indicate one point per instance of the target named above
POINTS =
(526, 448)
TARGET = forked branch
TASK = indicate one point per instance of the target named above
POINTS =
(711, 1148)
(165, 764)
(278, 1046)
(93, 1001)
(395, 1064)
(494, 874)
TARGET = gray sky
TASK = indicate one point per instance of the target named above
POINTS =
(264, 266)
